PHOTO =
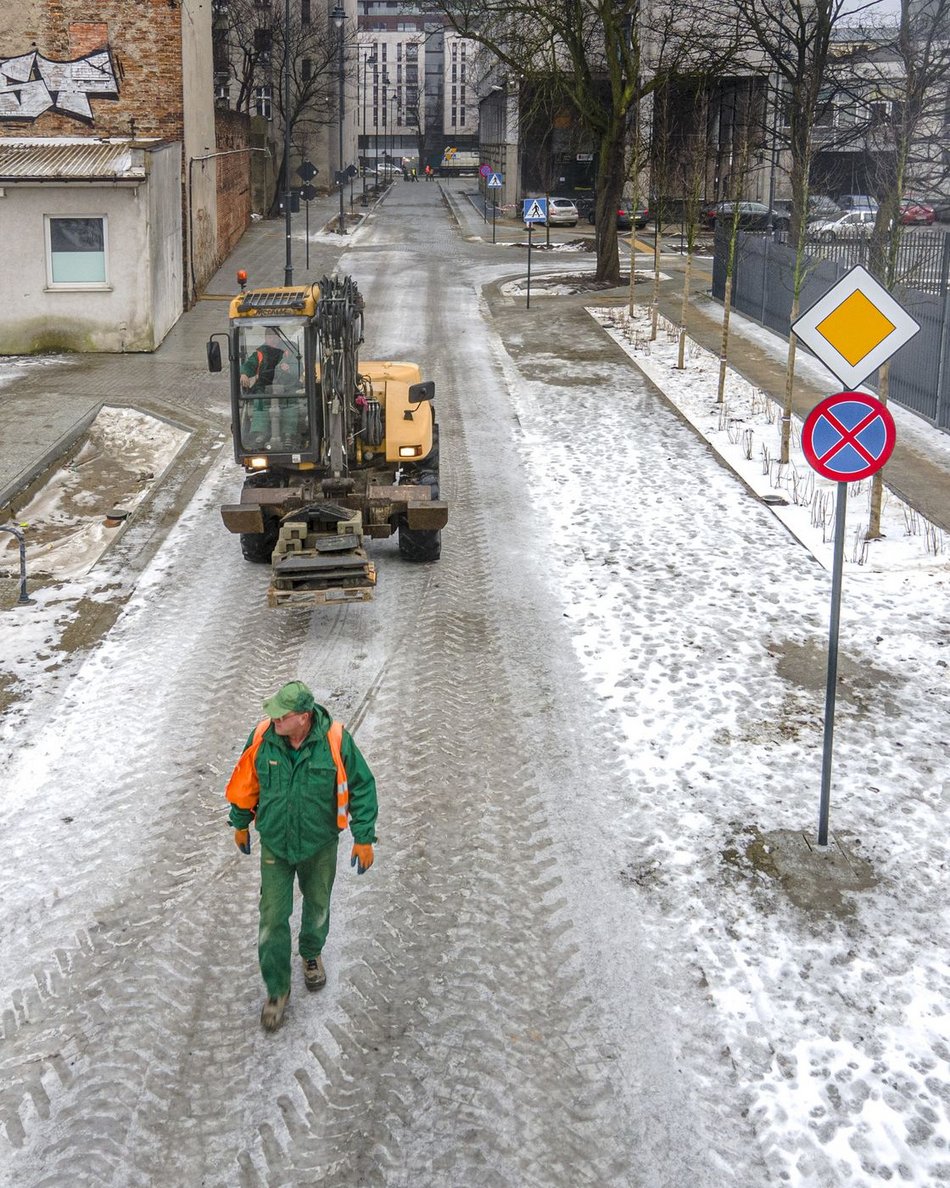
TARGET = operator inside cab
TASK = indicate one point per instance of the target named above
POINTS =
(273, 420)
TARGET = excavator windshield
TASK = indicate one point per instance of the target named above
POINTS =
(273, 408)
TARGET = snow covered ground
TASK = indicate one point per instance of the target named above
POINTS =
(707, 642)
(699, 622)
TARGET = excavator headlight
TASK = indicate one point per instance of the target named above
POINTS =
(256, 463)
(410, 451)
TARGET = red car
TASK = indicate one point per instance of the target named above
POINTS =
(917, 212)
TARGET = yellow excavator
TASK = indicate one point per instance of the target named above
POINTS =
(334, 450)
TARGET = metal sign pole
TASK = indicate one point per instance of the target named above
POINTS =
(527, 304)
(841, 509)
(494, 207)
(307, 231)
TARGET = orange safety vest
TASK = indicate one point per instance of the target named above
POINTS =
(244, 789)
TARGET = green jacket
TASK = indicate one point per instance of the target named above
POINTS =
(296, 810)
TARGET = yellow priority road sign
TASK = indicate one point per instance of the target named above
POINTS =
(855, 327)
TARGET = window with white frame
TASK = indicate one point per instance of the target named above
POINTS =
(76, 250)
(262, 102)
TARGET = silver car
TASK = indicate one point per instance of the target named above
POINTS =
(562, 213)
(856, 224)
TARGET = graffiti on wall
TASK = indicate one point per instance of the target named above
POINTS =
(31, 85)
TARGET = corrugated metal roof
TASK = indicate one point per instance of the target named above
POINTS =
(70, 160)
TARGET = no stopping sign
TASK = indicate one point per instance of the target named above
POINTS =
(848, 437)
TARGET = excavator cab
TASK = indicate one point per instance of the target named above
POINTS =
(273, 394)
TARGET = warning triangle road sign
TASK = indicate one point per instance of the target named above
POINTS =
(535, 210)
(494, 182)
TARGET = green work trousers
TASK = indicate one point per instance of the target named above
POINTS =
(315, 876)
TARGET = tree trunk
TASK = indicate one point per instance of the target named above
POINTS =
(610, 179)
(789, 388)
(877, 481)
(724, 350)
(684, 308)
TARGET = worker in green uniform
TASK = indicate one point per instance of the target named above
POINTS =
(301, 779)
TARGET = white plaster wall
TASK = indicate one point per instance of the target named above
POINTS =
(142, 299)
(166, 268)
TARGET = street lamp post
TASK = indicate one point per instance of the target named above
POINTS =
(369, 60)
(392, 127)
(338, 16)
(384, 108)
(288, 260)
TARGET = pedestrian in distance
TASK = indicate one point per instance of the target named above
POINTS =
(301, 779)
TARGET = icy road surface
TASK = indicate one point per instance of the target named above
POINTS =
(561, 971)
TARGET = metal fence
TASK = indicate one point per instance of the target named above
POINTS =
(762, 290)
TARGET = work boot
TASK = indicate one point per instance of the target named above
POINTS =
(272, 1013)
(314, 975)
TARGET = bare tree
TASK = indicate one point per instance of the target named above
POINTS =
(693, 156)
(253, 38)
(744, 137)
(602, 57)
(904, 72)
(795, 39)
(661, 176)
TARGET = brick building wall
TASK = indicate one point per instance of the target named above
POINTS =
(232, 133)
(144, 41)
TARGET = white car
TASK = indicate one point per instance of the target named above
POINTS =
(856, 224)
(562, 213)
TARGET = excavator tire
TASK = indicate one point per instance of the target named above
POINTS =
(416, 544)
(258, 546)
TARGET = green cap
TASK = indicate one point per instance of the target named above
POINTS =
(292, 698)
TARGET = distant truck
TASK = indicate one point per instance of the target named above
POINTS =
(459, 162)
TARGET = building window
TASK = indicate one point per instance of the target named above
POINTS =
(307, 69)
(262, 102)
(76, 251)
(305, 12)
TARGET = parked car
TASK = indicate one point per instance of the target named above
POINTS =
(857, 202)
(753, 216)
(941, 208)
(856, 224)
(562, 213)
(626, 215)
(820, 208)
(917, 213)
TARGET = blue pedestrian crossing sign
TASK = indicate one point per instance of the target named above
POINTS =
(535, 210)
(494, 181)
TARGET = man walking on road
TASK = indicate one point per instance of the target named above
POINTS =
(301, 779)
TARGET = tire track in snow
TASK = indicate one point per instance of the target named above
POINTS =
(458, 1008)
